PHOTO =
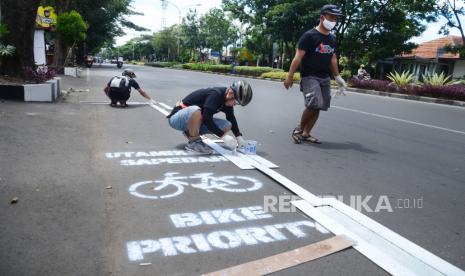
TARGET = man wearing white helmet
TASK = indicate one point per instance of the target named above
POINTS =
(118, 88)
(193, 115)
(316, 53)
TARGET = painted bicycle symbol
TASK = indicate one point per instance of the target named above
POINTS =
(173, 185)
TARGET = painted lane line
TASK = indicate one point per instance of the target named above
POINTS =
(394, 238)
(396, 255)
(406, 100)
(161, 110)
(372, 253)
(165, 106)
(399, 120)
(290, 185)
(236, 159)
(108, 103)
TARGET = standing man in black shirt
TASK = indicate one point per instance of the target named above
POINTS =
(194, 115)
(316, 52)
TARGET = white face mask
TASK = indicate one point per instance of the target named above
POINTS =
(329, 25)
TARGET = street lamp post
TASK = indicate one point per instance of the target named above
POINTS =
(179, 16)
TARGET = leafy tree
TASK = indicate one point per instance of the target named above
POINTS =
(165, 43)
(5, 50)
(377, 29)
(370, 30)
(452, 10)
(191, 37)
(217, 30)
(105, 18)
(72, 29)
(20, 16)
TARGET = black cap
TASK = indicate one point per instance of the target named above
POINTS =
(331, 9)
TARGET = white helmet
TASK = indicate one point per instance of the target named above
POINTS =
(242, 92)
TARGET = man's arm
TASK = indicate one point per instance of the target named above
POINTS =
(339, 80)
(333, 66)
(144, 94)
(299, 54)
(232, 119)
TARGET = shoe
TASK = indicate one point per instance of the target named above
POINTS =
(297, 135)
(113, 103)
(310, 139)
(198, 146)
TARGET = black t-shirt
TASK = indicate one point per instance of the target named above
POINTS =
(319, 50)
(132, 83)
(211, 101)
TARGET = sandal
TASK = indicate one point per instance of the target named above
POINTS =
(310, 139)
(297, 135)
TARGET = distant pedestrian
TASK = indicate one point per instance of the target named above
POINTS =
(316, 52)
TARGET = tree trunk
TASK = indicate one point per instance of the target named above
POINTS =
(60, 50)
(20, 17)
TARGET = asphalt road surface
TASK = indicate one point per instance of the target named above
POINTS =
(85, 175)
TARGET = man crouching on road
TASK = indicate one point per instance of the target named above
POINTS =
(118, 88)
(194, 115)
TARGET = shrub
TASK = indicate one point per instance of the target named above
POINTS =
(161, 64)
(453, 92)
(346, 74)
(41, 74)
(254, 71)
(436, 80)
(379, 85)
(241, 70)
(401, 80)
(279, 75)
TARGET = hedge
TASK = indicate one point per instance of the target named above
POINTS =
(279, 76)
(240, 70)
(161, 64)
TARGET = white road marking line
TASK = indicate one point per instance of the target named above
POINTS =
(399, 120)
(405, 100)
(162, 111)
(165, 106)
(386, 248)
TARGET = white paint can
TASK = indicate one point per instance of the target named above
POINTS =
(250, 147)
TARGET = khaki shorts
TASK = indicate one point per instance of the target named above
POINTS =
(317, 92)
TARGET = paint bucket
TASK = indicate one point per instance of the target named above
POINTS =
(250, 147)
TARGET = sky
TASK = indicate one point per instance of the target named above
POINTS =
(153, 15)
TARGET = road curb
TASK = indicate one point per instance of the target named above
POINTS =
(356, 90)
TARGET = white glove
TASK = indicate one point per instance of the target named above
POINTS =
(229, 142)
(342, 86)
(241, 142)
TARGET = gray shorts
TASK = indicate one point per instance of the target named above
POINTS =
(317, 92)
(180, 120)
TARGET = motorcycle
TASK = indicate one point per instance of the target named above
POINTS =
(119, 62)
(89, 61)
